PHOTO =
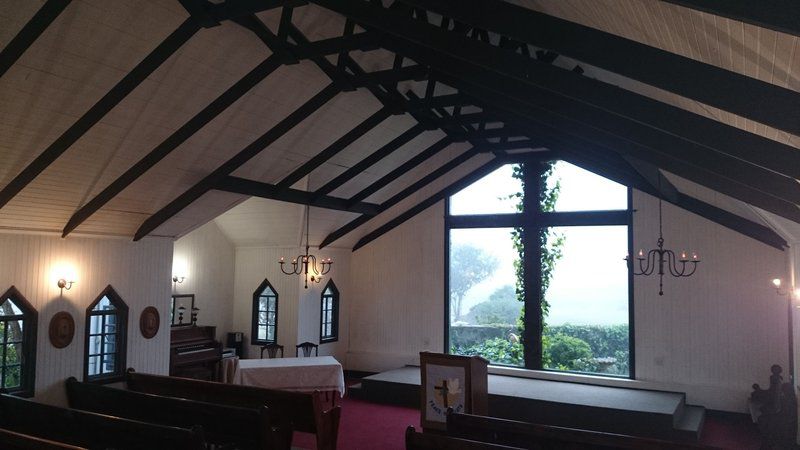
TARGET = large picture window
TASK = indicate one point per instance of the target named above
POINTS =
(106, 338)
(17, 344)
(536, 276)
(265, 315)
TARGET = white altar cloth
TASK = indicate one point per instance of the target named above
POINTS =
(322, 373)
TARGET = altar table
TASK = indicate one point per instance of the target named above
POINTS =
(323, 373)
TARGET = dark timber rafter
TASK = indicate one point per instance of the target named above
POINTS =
(778, 15)
(623, 173)
(271, 191)
(451, 189)
(704, 141)
(402, 195)
(336, 147)
(125, 86)
(214, 178)
(754, 99)
(206, 115)
(30, 32)
(540, 121)
(373, 158)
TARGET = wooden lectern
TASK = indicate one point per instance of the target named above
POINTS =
(452, 381)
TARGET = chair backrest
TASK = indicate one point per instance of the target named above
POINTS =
(272, 350)
(307, 347)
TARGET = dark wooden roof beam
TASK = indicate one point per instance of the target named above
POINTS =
(562, 90)
(168, 145)
(111, 99)
(337, 146)
(247, 153)
(30, 32)
(778, 15)
(755, 99)
(274, 192)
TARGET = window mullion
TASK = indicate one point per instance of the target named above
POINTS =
(531, 265)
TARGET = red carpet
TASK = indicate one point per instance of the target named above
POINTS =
(368, 426)
(372, 426)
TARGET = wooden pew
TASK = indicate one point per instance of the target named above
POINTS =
(243, 428)
(91, 430)
(429, 441)
(299, 411)
(11, 440)
(546, 437)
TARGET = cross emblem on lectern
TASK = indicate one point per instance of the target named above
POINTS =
(444, 391)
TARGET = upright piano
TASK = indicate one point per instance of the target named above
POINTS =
(194, 353)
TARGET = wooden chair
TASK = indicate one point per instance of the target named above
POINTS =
(272, 350)
(307, 347)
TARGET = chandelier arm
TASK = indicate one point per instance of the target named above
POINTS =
(694, 268)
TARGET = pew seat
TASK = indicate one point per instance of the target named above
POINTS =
(222, 425)
(92, 430)
(546, 437)
(11, 440)
(299, 411)
(430, 441)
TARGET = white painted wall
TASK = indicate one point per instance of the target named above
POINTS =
(138, 272)
(397, 302)
(206, 258)
(711, 335)
(298, 308)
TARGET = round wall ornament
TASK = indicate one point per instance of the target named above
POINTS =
(149, 322)
(62, 329)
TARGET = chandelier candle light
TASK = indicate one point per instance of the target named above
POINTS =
(302, 264)
(661, 258)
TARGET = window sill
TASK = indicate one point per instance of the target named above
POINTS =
(105, 380)
(565, 377)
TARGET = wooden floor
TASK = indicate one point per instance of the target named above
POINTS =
(620, 410)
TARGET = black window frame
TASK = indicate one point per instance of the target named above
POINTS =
(121, 338)
(334, 335)
(30, 320)
(533, 218)
(254, 320)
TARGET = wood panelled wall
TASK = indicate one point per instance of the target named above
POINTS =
(137, 271)
(711, 335)
(298, 308)
(208, 258)
(253, 264)
(397, 308)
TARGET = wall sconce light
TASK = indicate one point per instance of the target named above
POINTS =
(64, 284)
(177, 279)
(791, 296)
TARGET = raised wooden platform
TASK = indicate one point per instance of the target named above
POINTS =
(658, 414)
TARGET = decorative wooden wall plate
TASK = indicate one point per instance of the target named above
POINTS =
(149, 322)
(62, 329)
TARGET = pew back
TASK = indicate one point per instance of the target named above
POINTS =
(92, 430)
(222, 424)
(11, 440)
(300, 411)
(546, 437)
(429, 441)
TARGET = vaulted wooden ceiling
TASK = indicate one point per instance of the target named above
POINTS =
(151, 118)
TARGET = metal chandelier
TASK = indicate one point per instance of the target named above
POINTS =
(661, 258)
(305, 263)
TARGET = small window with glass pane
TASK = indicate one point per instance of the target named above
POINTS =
(265, 315)
(329, 314)
(106, 329)
(17, 343)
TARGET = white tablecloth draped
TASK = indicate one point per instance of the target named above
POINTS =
(322, 373)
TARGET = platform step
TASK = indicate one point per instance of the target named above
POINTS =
(657, 414)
